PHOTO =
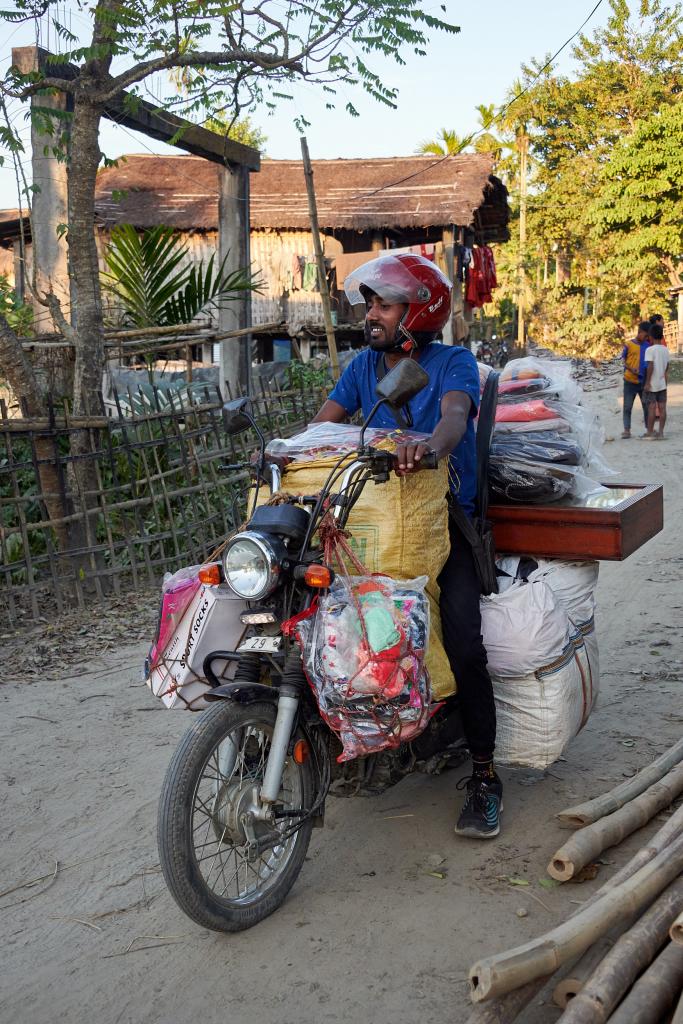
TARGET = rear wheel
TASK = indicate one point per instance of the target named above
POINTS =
(208, 859)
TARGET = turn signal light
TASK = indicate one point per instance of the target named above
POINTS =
(318, 576)
(211, 574)
(301, 752)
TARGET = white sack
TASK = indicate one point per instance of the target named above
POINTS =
(210, 623)
(538, 714)
(573, 583)
(524, 628)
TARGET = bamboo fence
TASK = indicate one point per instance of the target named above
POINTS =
(137, 494)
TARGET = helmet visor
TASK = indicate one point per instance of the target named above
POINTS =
(389, 279)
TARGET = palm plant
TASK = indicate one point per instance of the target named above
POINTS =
(447, 143)
(148, 277)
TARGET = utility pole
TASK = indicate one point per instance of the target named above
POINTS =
(320, 261)
(523, 151)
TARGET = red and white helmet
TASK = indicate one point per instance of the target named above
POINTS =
(405, 277)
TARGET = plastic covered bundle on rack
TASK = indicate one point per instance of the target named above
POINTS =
(533, 482)
(326, 440)
(364, 654)
(177, 593)
(534, 378)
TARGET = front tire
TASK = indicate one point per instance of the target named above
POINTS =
(203, 852)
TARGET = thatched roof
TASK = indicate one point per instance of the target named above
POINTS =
(400, 192)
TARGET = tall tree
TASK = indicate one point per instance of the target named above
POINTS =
(241, 54)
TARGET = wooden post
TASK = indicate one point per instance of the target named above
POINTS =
(322, 278)
(448, 241)
(233, 238)
(523, 151)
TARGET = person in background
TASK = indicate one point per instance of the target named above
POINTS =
(657, 319)
(633, 354)
(656, 376)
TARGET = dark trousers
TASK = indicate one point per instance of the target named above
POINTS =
(461, 622)
(630, 392)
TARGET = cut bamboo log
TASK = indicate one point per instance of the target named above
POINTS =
(572, 982)
(496, 975)
(607, 803)
(678, 1015)
(585, 845)
(655, 992)
(676, 932)
(511, 1005)
(631, 955)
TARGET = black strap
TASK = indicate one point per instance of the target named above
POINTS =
(485, 427)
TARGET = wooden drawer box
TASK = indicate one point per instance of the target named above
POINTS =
(612, 528)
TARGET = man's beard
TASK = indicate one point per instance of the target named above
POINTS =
(383, 343)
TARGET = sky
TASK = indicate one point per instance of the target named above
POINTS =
(438, 91)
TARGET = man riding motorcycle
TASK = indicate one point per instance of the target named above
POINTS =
(408, 301)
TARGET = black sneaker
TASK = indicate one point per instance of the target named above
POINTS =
(480, 815)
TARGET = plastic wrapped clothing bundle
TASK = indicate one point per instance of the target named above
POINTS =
(545, 442)
(325, 440)
(364, 655)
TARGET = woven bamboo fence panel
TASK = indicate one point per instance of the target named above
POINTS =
(95, 505)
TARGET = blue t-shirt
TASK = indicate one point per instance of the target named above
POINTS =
(450, 368)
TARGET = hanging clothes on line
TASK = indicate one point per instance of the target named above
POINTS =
(481, 276)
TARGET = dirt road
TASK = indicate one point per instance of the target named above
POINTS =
(367, 933)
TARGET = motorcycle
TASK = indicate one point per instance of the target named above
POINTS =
(503, 354)
(485, 354)
(250, 778)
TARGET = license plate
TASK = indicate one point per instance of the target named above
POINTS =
(265, 644)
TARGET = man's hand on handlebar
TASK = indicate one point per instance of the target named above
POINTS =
(411, 458)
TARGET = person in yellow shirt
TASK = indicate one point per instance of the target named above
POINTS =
(633, 354)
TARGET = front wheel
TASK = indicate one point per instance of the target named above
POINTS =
(209, 862)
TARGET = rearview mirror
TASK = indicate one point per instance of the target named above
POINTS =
(402, 383)
(235, 415)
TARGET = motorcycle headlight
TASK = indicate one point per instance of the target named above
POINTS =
(252, 564)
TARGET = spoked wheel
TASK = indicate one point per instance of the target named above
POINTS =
(224, 870)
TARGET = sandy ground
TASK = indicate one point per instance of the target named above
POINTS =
(366, 934)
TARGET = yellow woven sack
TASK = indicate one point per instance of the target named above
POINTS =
(399, 528)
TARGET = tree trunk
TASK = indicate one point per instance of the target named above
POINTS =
(87, 326)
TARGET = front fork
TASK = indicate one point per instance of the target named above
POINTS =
(287, 705)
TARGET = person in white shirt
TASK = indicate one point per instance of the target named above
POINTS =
(656, 375)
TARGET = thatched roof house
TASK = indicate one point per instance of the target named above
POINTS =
(364, 206)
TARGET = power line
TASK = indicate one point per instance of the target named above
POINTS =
(499, 114)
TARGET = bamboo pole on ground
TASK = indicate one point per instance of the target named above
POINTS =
(676, 932)
(509, 1006)
(630, 956)
(607, 803)
(678, 1015)
(574, 980)
(496, 975)
(586, 844)
(655, 992)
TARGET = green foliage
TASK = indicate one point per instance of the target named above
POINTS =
(147, 276)
(19, 315)
(308, 375)
(242, 130)
(446, 143)
(640, 203)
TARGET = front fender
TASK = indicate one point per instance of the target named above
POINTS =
(243, 693)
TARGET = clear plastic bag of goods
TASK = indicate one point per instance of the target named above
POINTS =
(528, 482)
(364, 652)
(327, 440)
(532, 377)
(195, 620)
